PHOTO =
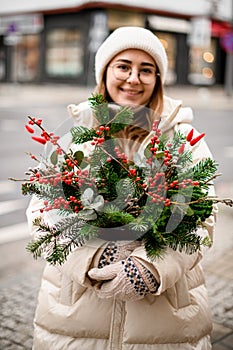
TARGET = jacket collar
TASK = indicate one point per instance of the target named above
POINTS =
(173, 113)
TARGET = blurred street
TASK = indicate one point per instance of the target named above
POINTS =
(20, 274)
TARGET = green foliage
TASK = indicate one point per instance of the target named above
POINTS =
(205, 170)
(116, 193)
(122, 118)
(29, 188)
(42, 191)
(176, 142)
(177, 228)
(57, 242)
(100, 108)
(112, 173)
(81, 134)
(116, 218)
(54, 158)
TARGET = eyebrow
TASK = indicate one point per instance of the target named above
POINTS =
(130, 62)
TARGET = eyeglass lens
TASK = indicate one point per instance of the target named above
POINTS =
(123, 72)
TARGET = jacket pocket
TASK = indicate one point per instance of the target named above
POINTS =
(178, 295)
(70, 291)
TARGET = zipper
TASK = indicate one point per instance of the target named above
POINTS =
(117, 325)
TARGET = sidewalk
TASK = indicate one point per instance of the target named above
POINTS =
(201, 97)
(18, 294)
(218, 268)
(62, 94)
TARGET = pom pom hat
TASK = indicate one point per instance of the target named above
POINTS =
(125, 38)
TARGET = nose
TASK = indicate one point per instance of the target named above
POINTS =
(134, 77)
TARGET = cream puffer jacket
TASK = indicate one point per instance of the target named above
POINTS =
(70, 316)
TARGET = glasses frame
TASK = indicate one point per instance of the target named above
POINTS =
(157, 74)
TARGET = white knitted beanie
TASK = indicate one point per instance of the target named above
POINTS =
(125, 38)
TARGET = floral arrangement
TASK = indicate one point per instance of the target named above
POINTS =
(159, 198)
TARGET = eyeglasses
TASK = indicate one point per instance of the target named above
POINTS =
(123, 71)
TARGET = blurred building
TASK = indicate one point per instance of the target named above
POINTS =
(56, 41)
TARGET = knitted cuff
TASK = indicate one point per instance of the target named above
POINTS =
(109, 255)
(141, 278)
(116, 251)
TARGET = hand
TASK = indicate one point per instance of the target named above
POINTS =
(124, 280)
(117, 251)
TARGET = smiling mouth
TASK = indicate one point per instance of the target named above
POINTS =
(131, 92)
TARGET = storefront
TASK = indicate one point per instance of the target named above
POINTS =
(70, 42)
(64, 47)
(57, 47)
(20, 47)
(60, 47)
(2, 60)
(194, 54)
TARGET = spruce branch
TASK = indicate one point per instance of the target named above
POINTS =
(81, 134)
(58, 241)
(123, 117)
(100, 108)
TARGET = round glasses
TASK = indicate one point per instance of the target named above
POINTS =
(123, 72)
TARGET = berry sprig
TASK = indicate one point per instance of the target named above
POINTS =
(121, 155)
(44, 136)
(192, 141)
(101, 133)
(47, 137)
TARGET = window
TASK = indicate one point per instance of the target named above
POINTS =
(25, 58)
(2, 63)
(64, 53)
(202, 65)
(169, 42)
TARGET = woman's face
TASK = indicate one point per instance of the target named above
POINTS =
(131, 78)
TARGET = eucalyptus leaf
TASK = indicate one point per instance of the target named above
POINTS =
(140, 160)
(54, 158)
(147, 152)
(87, 197)
(79, 155)
(189, 211)
(98, 203)
(89, 202)
(87, 214)
(159, 154)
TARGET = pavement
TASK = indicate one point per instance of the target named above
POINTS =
(19, 287)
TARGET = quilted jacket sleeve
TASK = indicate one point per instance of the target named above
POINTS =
(82, 114)
(169, 268)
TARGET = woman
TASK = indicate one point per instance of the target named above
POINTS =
(109, 295)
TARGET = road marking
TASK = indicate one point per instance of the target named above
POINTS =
(7, 187)
(14, 233)
(10, 206)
